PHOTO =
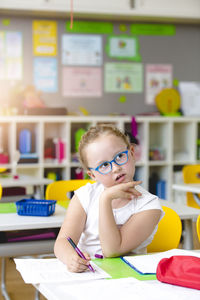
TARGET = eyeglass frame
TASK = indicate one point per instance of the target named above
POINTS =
(110, 162)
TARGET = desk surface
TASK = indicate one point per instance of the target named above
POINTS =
(13, 221)
(126, 288)
(118, 289)
(24, 181)
(185, 212)
(185, 187)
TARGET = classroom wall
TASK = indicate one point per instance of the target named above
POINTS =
(181, 50)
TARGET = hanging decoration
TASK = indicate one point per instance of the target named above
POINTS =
(71, 15)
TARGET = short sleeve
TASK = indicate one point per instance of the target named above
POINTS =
(83, 195)
(87, 193)
(147, 201)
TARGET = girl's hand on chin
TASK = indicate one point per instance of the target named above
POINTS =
(122, 190)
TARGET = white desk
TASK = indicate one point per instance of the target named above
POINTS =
(12, 221)
(117, 289)
(26, 181)
(139, 290)
(9, 222)
(187, 215)
(185, 187)
(189, 188)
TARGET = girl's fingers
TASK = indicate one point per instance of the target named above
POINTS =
(131, 184)
(135, 182)
(87, 256)
(78, 264)
(130, 193)
(134, 192)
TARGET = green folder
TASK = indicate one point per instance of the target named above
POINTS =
(117, 268)
(6, 208)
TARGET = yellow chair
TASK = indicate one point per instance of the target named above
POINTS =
(191, 174)
(58, 190)
(0, 191)
(198, 227)
(169, 232)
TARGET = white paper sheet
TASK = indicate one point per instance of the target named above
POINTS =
(190, 98)
(148, 263)
(118, 289)
(52, 270)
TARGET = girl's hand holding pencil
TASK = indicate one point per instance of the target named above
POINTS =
(79, 263)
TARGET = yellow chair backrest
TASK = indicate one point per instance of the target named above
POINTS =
(191, 174)
(198, 227)
(169, 232)
(58, 190)
(0, 191)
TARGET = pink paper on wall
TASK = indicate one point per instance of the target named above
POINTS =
(82, 82)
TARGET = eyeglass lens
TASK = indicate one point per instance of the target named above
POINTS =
(120, 159)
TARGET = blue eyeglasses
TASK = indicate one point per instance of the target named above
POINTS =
(106, 167)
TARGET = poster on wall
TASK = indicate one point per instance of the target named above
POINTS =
(123, 47)
(190, 97)
(158, 77)
(82, 82)
(152, 29)
(45, 74)
(81, 50)
(123, 77)
(11, 55)
(90, 27)
(44, 38)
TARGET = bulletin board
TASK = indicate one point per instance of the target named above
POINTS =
(179, 50)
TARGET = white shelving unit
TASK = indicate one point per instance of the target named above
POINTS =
(172, 140)
(141, 10)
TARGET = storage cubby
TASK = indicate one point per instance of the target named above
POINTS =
(180, 196)
(78, 173)
(175, 136)
(77, 130)
(159, 136)
(158, 181)
(5, 143)
(55, 143)
(26, 170)
(140, 174)
(184, 140)
(55, 173)
(27, 142)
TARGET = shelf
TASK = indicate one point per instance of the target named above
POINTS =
(176, 136)
(179, 11)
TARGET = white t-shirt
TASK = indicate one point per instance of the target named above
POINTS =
(89, 195)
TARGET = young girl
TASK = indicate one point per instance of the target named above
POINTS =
(113, 216)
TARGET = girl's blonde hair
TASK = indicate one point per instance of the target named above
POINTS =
(95, 132)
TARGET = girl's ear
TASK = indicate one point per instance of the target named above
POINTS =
(91, 174)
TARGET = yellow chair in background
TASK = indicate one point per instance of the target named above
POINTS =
(168, 234)
(198, 227)
(191, 174)
(58, 190)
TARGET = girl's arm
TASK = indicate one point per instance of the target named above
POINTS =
(118, 241)
(72, 226)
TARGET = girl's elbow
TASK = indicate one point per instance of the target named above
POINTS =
(56, 248)
(109, 253)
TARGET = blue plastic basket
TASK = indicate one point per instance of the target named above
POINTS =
(32, 207)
